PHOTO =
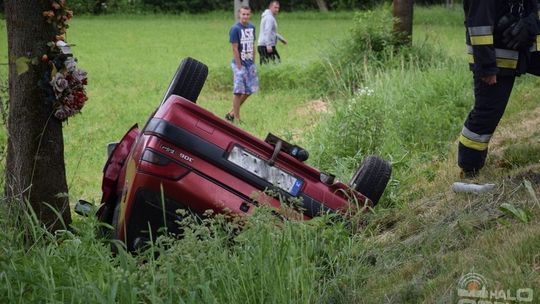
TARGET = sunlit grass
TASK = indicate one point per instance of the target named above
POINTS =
(131, 59)
(414, 250)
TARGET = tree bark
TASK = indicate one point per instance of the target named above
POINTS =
(403, 15)
(35, 169)
(237, 5)
(322, 5)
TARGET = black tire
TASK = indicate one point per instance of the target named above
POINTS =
(372, 177)
(188, 80)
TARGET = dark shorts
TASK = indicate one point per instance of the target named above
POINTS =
(245, 79)
(265, 57)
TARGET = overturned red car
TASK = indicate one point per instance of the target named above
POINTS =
(187, 158)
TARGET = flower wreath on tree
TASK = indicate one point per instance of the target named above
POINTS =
(64, 83)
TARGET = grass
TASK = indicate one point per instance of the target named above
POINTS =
(413, 249)
(131, 59)
(268, 261)
(408, 107)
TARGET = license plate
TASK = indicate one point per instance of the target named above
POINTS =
(272, 174)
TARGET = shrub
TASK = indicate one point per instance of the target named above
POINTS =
(407, 115)
(190, 6)
(403, 103)
(371, 46)
(371, 33)
(105, 6)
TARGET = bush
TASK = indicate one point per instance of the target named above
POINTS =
(190, 6)
(403, 103)
(354, 4)
(85, 7)
(104, 6)
(407, 115)
(201, 6)
(371, 45)
(372, 33)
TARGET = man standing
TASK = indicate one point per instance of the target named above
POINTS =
(501, 36)
(242, 39)
(268, 35)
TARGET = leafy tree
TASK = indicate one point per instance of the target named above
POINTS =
(35, 170)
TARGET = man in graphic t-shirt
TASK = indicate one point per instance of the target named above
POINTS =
(242, 39)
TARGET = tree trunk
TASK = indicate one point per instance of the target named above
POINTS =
(449, 4)
(322, 5)
(237, 5)
(35, 169)
(403, 15)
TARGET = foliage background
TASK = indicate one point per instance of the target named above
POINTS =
(405, 104)
(201, 6)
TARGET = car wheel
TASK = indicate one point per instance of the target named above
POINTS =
(372, 177)
(188, 80)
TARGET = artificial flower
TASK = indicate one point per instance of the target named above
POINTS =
(48, 14)
(79, 75)
(63, 47)
(65, 90)
(79, 99)
(59, 83)
(70, 64)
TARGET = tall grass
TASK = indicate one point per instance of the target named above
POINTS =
(407, 115)
(404, 104)
(267, 261)
(408, 255)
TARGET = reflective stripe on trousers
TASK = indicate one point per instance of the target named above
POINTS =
(489, 105)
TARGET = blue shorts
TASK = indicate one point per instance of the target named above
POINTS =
(245, 79)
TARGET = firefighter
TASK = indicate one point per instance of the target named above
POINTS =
(501, 38)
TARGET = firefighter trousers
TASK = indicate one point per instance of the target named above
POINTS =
(489, 104)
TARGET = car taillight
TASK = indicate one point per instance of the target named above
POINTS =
(160, 165)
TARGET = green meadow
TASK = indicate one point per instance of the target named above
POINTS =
(131, 60)
(343, 91)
